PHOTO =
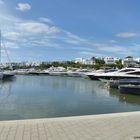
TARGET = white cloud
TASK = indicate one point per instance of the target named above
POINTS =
(72, 41)
(7, 20)
(46, 20)
(126, 34)
(74, 37)
(113, 48)
(83, 48)
(135, 47)
(10, 45)
(45, 43)
(86, 53)
(90, 54)
(11, 35)
(36, 27)
(76, 40)
(112, 41)
(42, 33)
(23, 6)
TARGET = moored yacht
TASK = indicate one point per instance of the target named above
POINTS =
(124, 73)
(92, 75)
(56, 71)
(8, 74)
(78, 72)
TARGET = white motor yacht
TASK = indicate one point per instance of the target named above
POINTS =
(8, 74)
(92, 75)
(124, 73)
(78, 72)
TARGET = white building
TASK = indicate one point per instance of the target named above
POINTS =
(137, 60)
(129, 61)
(79, 60)
(117, 59)
(109, 60)
(84, 61)
(88, 61)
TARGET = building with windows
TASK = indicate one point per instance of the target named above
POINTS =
(129, 61)
(85, 61)
(109, 60)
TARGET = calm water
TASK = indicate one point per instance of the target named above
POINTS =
(27, 97)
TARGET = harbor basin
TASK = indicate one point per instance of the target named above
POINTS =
(30, 97)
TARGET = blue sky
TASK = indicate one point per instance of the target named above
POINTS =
(47, 30)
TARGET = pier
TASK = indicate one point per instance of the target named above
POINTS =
(117, 126)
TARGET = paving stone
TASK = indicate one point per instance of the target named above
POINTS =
(118, 126)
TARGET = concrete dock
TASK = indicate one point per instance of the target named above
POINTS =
(117, 126)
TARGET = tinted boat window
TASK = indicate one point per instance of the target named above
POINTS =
(127, 70)
(134, 73)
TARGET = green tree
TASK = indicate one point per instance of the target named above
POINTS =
(99, 61)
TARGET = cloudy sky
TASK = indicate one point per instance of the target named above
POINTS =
(36, 30)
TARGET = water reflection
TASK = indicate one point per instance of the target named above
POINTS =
(44, 96)
(5, 89)
(7, 98)
(126, 98)
(58, 83)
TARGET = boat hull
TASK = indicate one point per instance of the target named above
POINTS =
(1, 76)
(33, 73)
(92, 77)
(117, 83)
(129, 89)
(43, 73)
(108, 78)
(6, 76)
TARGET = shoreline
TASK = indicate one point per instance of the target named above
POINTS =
(122, 126)
(78, 117)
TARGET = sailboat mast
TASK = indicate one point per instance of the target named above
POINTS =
(0, 45)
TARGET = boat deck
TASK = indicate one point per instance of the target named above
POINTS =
(118, 126)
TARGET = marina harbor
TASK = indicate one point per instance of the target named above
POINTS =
(115, 78)
(69, 70)
(46, 96)
(120, 79)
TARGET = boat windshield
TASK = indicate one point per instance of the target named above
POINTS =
(126, 70)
